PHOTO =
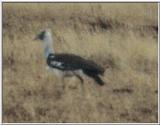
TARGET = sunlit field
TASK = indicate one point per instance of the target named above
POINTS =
(121, 37)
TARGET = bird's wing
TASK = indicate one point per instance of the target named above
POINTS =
(93, 67)
(62, 61)
(72, 62)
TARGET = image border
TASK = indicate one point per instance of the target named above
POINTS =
(1, 63)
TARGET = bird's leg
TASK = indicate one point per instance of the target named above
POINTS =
(63, 83)
(65, 75)
(81, 79)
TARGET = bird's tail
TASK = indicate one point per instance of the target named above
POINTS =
(94, 76)
(98, 80)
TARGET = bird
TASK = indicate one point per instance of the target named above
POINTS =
(69, 64)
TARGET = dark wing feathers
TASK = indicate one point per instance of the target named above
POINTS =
(73, 62)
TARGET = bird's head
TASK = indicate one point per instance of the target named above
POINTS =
(43, 35)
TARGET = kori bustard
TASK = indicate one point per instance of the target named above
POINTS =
(69, 63)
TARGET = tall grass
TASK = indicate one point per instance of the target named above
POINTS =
(121, 36)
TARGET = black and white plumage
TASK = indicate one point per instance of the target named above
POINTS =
(69, 63)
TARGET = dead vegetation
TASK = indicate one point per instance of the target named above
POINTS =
(122, 37)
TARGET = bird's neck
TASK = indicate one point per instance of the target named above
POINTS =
(48, 46)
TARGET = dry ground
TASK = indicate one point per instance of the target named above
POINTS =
(122, 36)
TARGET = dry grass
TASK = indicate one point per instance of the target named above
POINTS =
(122, 36)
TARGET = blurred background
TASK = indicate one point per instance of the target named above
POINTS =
(121, 36)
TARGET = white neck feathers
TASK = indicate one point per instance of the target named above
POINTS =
(48, 43)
